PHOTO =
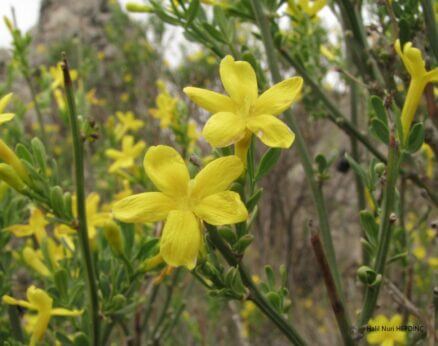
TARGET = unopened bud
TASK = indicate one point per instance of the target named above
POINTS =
(138, 8)
(8, 156)
(8, 24)
(152, 263)
(9, 176)
(379, 168)
(113, 235)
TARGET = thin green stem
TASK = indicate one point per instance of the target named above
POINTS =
(317, 195)
(37, 108)
(148, 311)
(431, 28)
(255, 295)
(385, 231)
(81, 211)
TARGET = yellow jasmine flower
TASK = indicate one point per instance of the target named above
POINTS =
(126, 157)
(414, 63)
(166, 106)
(34, 259)
(38, 300)
(5, 117)
(311, 8)
(60, 101)
(419, 252)
(389, 337)
(124, 97)
(93, 99)
(127, 122)
(243, 113)
(184, 202)
(36, 226)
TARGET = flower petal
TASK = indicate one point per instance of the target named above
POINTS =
(12, 301)
(223, 129)
(271, 131)
(143, 207)
(5, 117)
(217, 176)
(239, 80)
(242, 146)
(278, 98)
(210, 100)
(222, 208)
(167, 170)
(65, 312)
(4, 101)
(181, 239)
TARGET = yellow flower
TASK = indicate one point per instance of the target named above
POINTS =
(388, 337)
(93, 99)
(184, 202)
(126, 157)
(419, 252)
(39, 301)
(433, 262)
(311, 8)
(414, 63)
(127, 121)
(5, 117)
(243, 112)
(166, 106)
(36, 226)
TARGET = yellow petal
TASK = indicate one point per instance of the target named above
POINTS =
(375, 337)
(222, 208)
(223, 129)
(20, 230)
(181, 239)
(278, 98)
(12, 301)
(239, 80)
(4, 101)
(65, 312)
(113, 154)
(5, 117)
(271, 131)
(143, 207)
(40, 327)
(210, 100)
(39, 298)
(217, 176)
(432, 75)
(167, 170)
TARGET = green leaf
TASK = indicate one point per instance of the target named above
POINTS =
(321, 162)
(39, 153)
(192, 12)
(379, 109)
(269, 159)
(369, 225)
(416, 138)
(380, 130)
(270, 276)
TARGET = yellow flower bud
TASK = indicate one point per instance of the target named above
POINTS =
(8, 156)
(113, 235)
(9, 176)
(152, 263)
(33, 260)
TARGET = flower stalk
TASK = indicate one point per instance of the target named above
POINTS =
(385, 231)
(317, 195)
(255, 295)
(81, 208)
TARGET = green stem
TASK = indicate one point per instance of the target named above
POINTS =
(431, 29)
(385, 231)
(81, 211)
(37, 109)
(318, 198)
(255, 295)
(148, 311)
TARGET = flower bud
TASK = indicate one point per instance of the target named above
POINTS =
(10, 177)
(379, 168)
(9, 24)
(8, 156)
(113, 236)
(138, 8)
(34, 261)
